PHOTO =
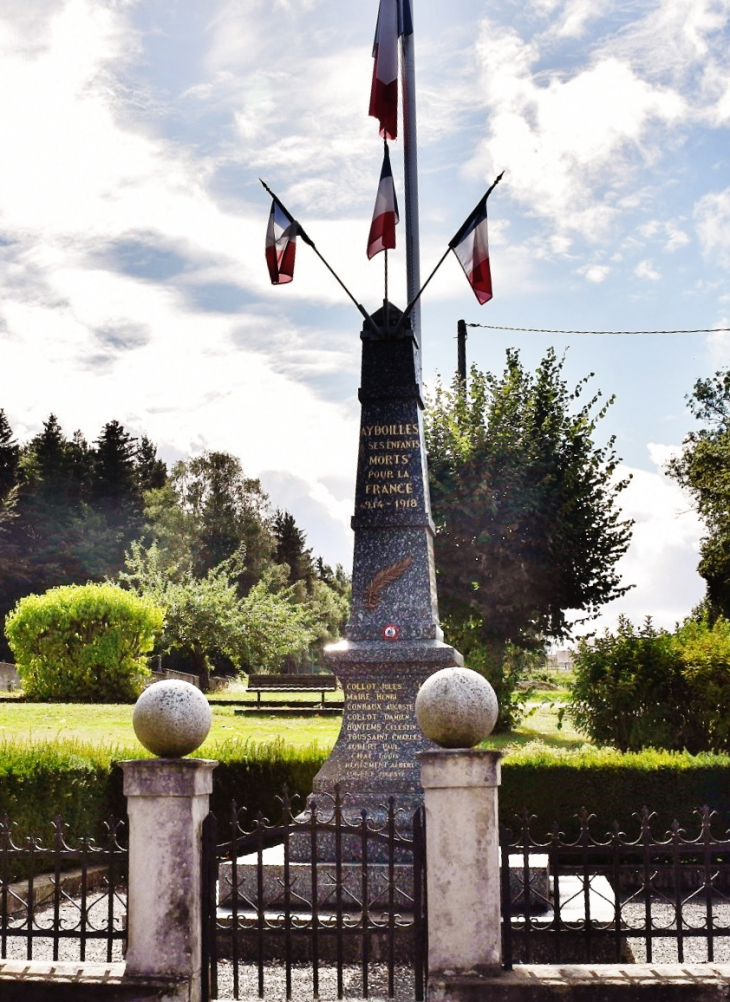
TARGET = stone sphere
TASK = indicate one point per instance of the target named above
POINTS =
(456, 708)
(171, 718)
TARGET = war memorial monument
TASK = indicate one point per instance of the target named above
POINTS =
(393, 638)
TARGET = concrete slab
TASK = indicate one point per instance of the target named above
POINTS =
(589, 983)
(73, 981)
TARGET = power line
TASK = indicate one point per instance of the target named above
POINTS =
(544, 330)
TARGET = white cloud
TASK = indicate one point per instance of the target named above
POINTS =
(662, 560)
(712, 219)
(718, 343)
(595, 272)
(645, 269)
(569, 139)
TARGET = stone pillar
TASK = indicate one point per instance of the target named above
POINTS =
(167, 800)
(462, 854)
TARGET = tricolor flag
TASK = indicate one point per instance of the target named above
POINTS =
(472, 249)
(281, 244)
(385, 214)
(394, 19)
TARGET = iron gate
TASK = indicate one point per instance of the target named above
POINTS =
(64, 897)
(618, 896)
(331, 888)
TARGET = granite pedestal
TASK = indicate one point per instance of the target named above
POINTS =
(393, 638)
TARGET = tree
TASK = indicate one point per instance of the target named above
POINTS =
(150, 472)
(526, 510)
(50, 508)
(206, 616)
(291, 548)
(9, 456)
(113, 480)
(650, 688)
(211, 511)
(73, 508)
(703, 469)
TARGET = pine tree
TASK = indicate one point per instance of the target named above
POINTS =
(291, 548)
(114, 482)
(9, 455)
(151, 472)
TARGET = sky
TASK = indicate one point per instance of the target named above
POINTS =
(132, 276)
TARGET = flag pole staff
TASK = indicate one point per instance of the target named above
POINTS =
(386, 304)
(414, 301)
(410, 177)
(308, 240)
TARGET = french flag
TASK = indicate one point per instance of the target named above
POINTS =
(281, 244)
(472, 249)
(394, 19)
(385, 214)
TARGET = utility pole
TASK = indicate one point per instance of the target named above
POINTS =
(461, 339)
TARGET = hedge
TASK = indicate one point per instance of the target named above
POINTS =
(555, 783)
(84, 784)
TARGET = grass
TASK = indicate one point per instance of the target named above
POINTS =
(540, 723)
(111, 724)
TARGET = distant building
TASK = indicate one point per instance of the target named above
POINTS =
(562, 660)
(9, 678)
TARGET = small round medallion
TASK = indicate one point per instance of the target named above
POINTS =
(391, 631)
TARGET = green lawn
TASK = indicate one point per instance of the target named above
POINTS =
(541, 724)
(112, 724)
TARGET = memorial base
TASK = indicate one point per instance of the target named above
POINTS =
(375, 757)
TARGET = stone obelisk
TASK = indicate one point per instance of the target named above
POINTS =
(393, 638)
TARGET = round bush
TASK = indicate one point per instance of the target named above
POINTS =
(650, 688)
(83, 643)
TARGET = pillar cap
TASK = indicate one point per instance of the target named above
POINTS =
(168, 777)
(457, 768)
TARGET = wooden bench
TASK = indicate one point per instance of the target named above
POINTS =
(292, 683)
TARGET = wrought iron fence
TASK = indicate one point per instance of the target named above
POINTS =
(333, 889)
(59, 898)
(604, 899)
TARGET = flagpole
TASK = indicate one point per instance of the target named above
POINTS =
(386, 304)
(410, 165)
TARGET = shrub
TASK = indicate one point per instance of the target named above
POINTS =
(705, 653)
(650, 688)
(82, 782)
(629, 690)
(83, 643)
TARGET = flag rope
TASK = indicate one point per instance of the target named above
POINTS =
(545, 330)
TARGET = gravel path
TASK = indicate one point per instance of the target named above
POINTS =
(664, 952)
(664, 949)
(302, 989)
